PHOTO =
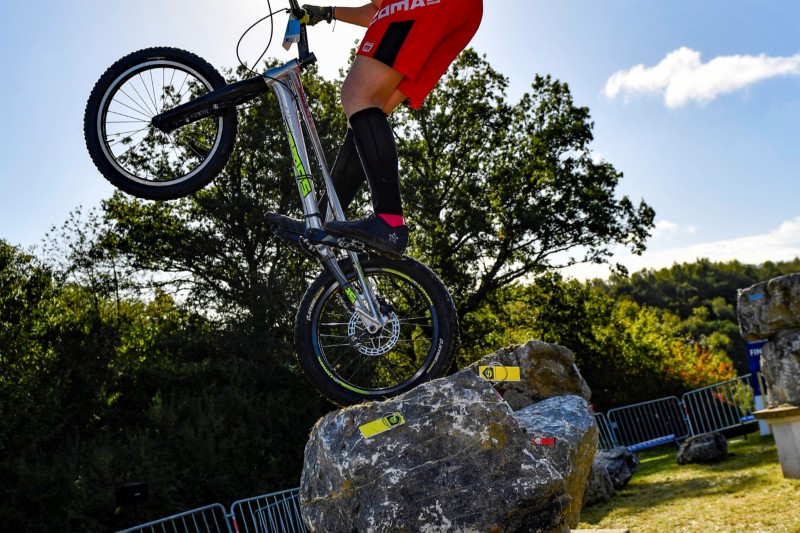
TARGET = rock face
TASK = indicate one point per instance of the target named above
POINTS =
(460, 461)
(768, 307)
(611, 471)
(620, 463)
(771, 310)
(454, 456)
(780, 364)
(546, 370)
(708, 448)
(567, 434)
(600, 488)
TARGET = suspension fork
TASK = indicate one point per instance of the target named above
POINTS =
(291, 98)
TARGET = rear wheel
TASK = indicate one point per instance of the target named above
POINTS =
(135, 156)
(350, 365)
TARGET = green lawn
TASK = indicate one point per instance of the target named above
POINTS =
(746, 492)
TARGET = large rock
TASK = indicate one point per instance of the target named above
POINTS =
(620, 463)
(768, 307)
(707, 448)
(546, 370)
(780, 364)
(600, 488)
(566, 433)
(460, 462)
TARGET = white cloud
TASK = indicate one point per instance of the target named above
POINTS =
(665, 229)
(781, 244)
(681, 77)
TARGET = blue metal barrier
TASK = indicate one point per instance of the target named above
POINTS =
(277, 512)
(208, 519)
(720, 406)
(714, 408)
(650, 423)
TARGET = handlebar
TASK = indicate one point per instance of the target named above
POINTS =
(297, 11)
(306, 57)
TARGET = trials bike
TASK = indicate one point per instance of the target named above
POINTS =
(161, 124)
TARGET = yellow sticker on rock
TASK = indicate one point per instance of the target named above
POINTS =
(381, 425)
(500, 373)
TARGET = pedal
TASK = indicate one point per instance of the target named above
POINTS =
(320, 236)
(295, 240)
(280, 221)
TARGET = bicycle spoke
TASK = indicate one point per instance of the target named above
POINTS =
(153, 86)
(149, 154)
(127, 116)
(354, 373)
(383, 359)
(142, 108)
(152, 111)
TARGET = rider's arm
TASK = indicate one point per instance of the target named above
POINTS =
(360, 16)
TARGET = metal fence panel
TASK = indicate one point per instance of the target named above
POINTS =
(606, 438)
(648, 424)
(273, 513)
(209, 519)
(721, 406)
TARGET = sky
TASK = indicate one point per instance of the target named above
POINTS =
(697, 103)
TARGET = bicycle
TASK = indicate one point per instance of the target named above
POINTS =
(161, 124)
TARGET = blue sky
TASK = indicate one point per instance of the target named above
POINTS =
(696, 102)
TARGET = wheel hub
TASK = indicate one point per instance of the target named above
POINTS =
(373, 344)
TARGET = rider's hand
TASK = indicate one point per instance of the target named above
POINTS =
(316, 14)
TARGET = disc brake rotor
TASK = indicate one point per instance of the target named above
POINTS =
(376, 344)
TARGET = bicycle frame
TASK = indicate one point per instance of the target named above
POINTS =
(287, 85)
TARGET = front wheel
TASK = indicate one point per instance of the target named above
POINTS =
(348, 364)
(135, 156)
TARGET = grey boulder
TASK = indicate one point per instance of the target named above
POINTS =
(460, 461)
(546, 370)
(565, 431)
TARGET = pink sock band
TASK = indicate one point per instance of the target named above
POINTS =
(393, 220)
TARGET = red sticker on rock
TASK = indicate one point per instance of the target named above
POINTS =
(544, 441)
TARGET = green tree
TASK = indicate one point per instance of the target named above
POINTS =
(499, 192)
(504, 191)
(216, 246)
(703, 294)
(26, 290)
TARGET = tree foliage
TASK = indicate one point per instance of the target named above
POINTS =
(703, 295)
(502, 191)
(627, 352)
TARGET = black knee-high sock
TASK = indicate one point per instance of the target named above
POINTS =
(347, 175)
(374, 140)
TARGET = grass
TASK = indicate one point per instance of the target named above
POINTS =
(745, 492)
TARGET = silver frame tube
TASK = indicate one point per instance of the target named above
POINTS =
(291, 97)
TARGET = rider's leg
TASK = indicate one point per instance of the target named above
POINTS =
(347, 175)
(398, 57)
(369, 90)
(368, 93)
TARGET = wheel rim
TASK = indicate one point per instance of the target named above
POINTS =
(385, 362)
(134, 146)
